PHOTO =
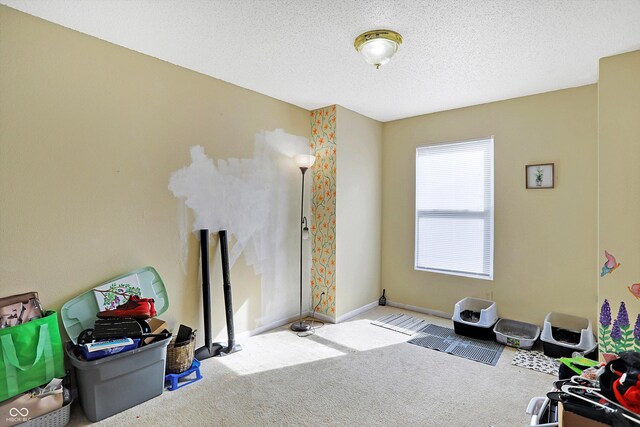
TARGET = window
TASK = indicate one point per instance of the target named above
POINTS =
(454, 208)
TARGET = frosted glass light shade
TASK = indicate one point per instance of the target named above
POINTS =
(378, 52)
(378, 46)
(305, 160)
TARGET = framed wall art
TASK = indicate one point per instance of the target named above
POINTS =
(539, 175)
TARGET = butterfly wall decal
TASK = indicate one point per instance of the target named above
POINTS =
(635, 290)
(609, 265)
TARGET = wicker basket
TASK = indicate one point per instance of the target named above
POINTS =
(179, 359)
(57, 418)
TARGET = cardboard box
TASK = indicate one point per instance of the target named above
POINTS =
(571, 419)
(157, 326)
(25, 406)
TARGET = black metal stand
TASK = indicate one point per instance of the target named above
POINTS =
(231, 346)
(209, 349)
(216, 349)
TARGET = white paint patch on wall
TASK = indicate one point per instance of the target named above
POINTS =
(250, 199)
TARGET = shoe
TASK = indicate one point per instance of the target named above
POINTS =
(152, 307)
(135, 307)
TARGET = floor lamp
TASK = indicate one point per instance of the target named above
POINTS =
(304, 161)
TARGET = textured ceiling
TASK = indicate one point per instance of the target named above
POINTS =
(455, 52)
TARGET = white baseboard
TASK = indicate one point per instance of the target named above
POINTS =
(323, 317)
(420, 309)
(272, 325)
(354, 313)
(346, 316)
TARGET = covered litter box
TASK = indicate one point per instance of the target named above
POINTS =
(475, 318)
(516, 334)
(562, 334)
(112, 384)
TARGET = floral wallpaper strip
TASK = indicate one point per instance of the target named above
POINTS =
(323, 210)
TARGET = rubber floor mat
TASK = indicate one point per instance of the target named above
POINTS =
(445, 340)
(402, 323)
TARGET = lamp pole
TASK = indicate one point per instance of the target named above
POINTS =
(301, 326)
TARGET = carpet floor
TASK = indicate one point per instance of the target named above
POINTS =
(349, 374)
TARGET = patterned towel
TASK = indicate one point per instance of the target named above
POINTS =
(537, 361)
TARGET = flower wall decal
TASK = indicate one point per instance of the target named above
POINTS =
(617, 336)
(604, 329)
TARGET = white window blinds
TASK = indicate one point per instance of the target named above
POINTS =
(454, 208)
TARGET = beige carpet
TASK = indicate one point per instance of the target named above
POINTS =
(350, 374)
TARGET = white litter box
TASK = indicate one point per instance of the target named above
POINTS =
(562, 334)
(516, 334)
(475, 318)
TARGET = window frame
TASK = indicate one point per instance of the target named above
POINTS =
(487, 214)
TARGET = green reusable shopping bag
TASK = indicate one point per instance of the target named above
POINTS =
(30, 355)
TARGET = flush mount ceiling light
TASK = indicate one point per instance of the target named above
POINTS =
(378, 46)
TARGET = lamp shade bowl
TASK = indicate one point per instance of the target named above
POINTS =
(305, 160)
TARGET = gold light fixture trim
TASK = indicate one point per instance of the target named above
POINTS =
(388, 41)
(377, 34)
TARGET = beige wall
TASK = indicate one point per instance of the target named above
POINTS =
(619, 183)
(544, 239)
(358, 222)
(89, 135)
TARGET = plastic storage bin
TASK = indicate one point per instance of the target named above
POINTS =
(516, 334)
(562, 334)
(475, 318)
(115, 383)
